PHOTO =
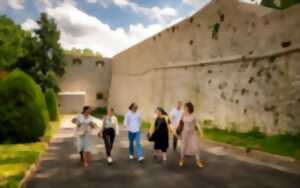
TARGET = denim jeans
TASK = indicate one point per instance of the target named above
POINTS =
(135, 137)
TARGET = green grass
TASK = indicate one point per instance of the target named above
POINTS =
(283, 144)
(16, 159)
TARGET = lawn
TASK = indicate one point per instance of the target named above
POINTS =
(16, 159)
(284, 144)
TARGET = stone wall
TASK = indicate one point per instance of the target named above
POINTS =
(89, 75)
(238, 63)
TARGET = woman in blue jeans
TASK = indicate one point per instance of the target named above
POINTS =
(133, 123)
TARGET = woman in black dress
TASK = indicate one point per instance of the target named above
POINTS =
(160, 134)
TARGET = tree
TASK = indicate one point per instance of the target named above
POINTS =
(45, 60)
(87, 52)
(11, 41)
(279, 4)
(84, 52)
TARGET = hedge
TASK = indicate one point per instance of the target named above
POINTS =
(23, 110)
(51, 100)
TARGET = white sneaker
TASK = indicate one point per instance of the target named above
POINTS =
(141, 159)
(131, 157)
(109, 160)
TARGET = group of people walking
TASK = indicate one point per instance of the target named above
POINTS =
(180, 123)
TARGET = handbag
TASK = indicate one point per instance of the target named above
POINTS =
(151, 137)
(180, 127)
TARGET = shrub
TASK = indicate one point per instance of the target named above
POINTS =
(51, 100)
(23, 110)
(99, 112)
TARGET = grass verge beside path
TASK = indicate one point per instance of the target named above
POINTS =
(285, 145)
(16, 159)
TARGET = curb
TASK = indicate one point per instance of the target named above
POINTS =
(282, 163)
(32, 169)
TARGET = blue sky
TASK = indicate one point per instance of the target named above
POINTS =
(107, 26)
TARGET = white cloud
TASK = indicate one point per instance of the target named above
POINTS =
(197, 3)
(252, 1)
(81, 30)
(42, 5)
(202, 3)
(29, 25)
(162, 15)
(14, 4)
(91, 1)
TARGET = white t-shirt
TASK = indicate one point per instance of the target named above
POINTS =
(84, 124)
(132, 121)
(175, 116)
(111, 122)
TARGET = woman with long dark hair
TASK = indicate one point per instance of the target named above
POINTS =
(159, 134)
(84, 128)
(189, 135)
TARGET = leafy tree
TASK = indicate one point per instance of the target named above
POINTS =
(84, 52)
(11, 40)
(279, 4)
(87, 52)
(45, 60)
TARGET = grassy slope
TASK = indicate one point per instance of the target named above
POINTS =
(286, 145)
(15, 159)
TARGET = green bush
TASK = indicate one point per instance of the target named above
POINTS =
(52, 105)
(99, 112)
(23, 110)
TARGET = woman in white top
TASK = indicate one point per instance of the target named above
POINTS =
(109, 130)
(84, 132)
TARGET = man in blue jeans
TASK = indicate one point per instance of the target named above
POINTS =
(133, 123)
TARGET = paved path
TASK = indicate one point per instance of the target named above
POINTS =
(60, 169)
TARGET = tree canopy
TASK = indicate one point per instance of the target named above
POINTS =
(39, 54)
(279, 4)
(80, 52)
(11, 42)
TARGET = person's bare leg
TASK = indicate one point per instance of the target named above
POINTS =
(164, 156)
(156, 154)
(85, 159)
(198, 162)
(181, 161)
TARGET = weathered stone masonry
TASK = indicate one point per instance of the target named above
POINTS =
(238, 63)
(86, 82)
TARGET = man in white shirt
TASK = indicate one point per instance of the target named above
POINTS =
(132, 122)
(175, 116)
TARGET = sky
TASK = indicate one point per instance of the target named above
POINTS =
(105, 26)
